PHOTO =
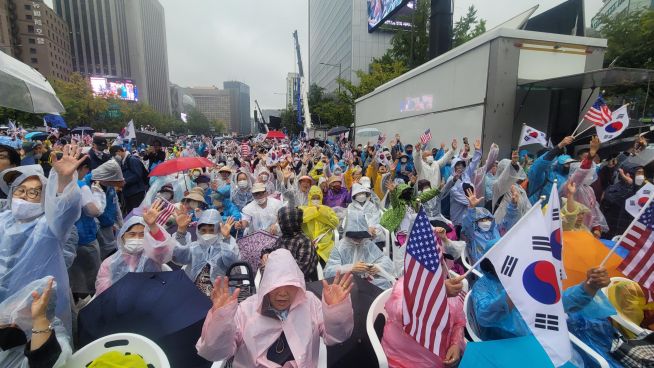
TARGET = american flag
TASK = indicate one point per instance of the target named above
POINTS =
(425, 137)
(425, 312)
(347, 155)
(245, 149)
(166, 212)
(381, 139)
(639, 241)
(599, 114)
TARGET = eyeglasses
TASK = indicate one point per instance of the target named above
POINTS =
(31, 193)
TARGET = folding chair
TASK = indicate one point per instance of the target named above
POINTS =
(377, 309)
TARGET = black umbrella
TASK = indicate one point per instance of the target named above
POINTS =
(149, 137)
(165, 307)
(82, 131)
(337, 130)
(357, 350)
(643, 158)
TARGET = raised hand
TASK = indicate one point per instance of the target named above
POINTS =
(594, 146)
(473, 201)
(390, 185)
(454, 144)
(571, 187)
(220, 295)
(596, 278)
(338, 290)
(418, 146)
(182, 218)
(150, 216)
(477, 144)
(566, 141)
(454, 285)
(515, 195)
(40, 302)
(65, 166)
(226, 227)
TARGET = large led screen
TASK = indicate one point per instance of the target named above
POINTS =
(381, 10)
(123, 89)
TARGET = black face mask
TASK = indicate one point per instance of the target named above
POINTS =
(406, 194)
(409, 152)
(10, 337)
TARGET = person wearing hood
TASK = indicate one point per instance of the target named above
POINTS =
(362, 205)
(458, 200)
(572, 212)
(479, 227)
(631, 179)
(212, 254)
(583, 175)
(220, 201)
(404, 208)
(509, 173)
(545, 170)
(429, 169)
(282, 324)
(367, 183)
(260, 214)
(110, 177)
(242, 191)
(405, 166)
(41, 215)
(357, 253)
(319, 223)
(142, 247)
(298, 190)
(337, 195)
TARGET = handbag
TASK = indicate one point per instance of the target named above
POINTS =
(637, 353)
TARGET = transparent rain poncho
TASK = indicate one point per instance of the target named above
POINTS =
(17, 310)
(34, 249)
(506, 177)
(368, 210)
(219, 253)
(154, 254)
(585, 195)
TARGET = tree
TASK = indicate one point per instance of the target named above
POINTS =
(468, 27)
(82, 107)
(288, 117)
(411, 46)
(630, 39)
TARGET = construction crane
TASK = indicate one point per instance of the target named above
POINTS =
(303, 90)
(265, 125)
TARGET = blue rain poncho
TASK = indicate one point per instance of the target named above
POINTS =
(17, 310)
(219, 253)
(34, 249)
(478, 241)
(229, 208)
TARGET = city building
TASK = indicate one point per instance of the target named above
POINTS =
(612, 8)
(215, 104)
(240, 105)
(180, 101)
(338, 35)
(292, 86)
(33, 33)
(121, 39)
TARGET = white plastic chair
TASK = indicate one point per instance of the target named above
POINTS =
(377, 308)
(122, 342)
(257, 279)
(619, 318)
(397, 256)
(337, 237)
(319, 270)
(165, 268)
(387, 241)
(465, 259)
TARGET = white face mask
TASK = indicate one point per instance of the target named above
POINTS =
(243, 184)
(132, 246)
(261, 201)
(429, 160)
(361, 197)
(24, 210)
(485, 225)
(207, 238)
(639, 180)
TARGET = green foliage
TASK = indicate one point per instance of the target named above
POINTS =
(411, 46)
(631, 39)
(289, 121)
(381, 71)
(82, 108)
(468, 27)
(199, 124)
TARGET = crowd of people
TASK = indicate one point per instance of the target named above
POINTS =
(76, 219)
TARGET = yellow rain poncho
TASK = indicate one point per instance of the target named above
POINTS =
(629, 300)
(319, 220)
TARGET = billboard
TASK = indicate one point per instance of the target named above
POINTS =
(124, 89)
(381, 10)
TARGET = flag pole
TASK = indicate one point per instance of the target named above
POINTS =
(578, 125)
(617, 243)
(582, 132)
(536, 205)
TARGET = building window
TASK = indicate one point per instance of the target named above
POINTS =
(34, 60)
(32, 50)
(28, 7)
(30, 29)
(31, 41)
(28, 16)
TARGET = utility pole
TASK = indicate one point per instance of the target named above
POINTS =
(440, 27)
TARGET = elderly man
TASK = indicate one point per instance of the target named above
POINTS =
(429, 169)
(260, 214)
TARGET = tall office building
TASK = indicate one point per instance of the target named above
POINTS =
(338, 34)
(31, 32)
(292, 86)
(612, 8)
(215, 104)
(121, 39)
(240, 104)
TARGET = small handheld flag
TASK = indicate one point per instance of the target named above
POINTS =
(615, 126)
(599, 114)
(425, 137)
(530, 135)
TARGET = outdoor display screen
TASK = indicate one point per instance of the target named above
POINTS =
(380, 10)
(123, 89)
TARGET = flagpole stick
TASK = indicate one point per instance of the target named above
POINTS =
(584, 131)
(495, 246)
(578, 125)
(617, 243)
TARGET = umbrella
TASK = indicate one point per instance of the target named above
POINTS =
(275, 134)
(55, 121)
(165, 307)
(82, 131)
(582, 251)
(368, 132)
(250, 246)
(37, 136)
(644, 158)
(357, 350)
(507, 353)
(180, 164)
(25, 89)
(337, 130)
(149, 138)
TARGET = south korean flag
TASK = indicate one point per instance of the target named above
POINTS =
(635, 203)
(524, 264)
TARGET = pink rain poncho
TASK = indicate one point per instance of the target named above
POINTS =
(401, 349)
(243, 331)
(583, 175)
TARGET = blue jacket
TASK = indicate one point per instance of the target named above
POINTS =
(110, 214)
(230, 209)
(135, 176)
(87, 229)
(542, 174)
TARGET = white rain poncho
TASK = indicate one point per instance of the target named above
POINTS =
(585, 195)
(368, 210)
(154, 254)
(347, 253)
(241, 197)
(219, 253)
(261, 218)
(34, 249)
(156, 186)
(17, 310)
(507, 176)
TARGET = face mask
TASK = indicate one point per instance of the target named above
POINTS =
(261, 201)
(361, 197)
(316, 202)
(207, 238)
(338, 172)
(242, 184)
(24, 210)
(639, 180)
(38, 156)
(132, 246)
(264, 178)
(404, 160)
(203, 186)
(429, 160)
(485, 225)
(408, 152)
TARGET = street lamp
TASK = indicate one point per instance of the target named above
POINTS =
(339, 73)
